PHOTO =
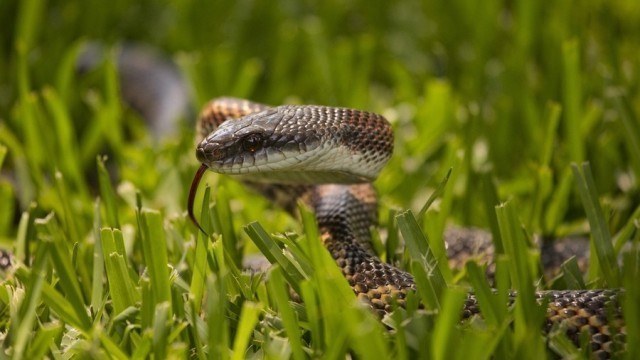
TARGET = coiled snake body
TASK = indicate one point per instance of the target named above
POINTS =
(328, 157)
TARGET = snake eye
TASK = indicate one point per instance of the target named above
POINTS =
(252, 142)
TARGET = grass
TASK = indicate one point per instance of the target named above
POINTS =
(499, 99)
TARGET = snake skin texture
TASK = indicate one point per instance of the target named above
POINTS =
(345, 212)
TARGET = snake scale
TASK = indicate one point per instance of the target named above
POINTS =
(327, 157)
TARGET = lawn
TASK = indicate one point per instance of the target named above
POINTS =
(508, 115)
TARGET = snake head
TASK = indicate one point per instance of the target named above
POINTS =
(238, 146)
(301, 145)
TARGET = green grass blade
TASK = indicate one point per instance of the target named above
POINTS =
(29, 22)
(161, 329)
(437, 193)
(421, 254)
(312, 309)
(273, 253)
(278, 289)
(393, 238)
(224, 219)
(44, 340)
(121, 288)
(49, 231)
(446, 335)
(528, 314)
(248, 320)
(111, 347)
(491, 311)
(198, 279)
(600, 235)
(564, 347)
(7, 206)
(554, 111)
(68, 155)
(491, 200)
(155, 254)
(217, 321)
(24, 324)
(97, 290)
(56, 302)
(70, 221)
(107, 194)
(572, 274)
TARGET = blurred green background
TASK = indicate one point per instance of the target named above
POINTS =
(514, 89)
(508, 94)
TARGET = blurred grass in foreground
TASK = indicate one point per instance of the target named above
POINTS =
(508, 94)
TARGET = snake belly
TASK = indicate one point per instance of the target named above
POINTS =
(345, 211)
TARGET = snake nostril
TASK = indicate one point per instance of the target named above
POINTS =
(209, 152)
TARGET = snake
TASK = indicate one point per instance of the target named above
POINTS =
(328, 157)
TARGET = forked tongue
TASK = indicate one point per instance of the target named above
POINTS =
(192, 196)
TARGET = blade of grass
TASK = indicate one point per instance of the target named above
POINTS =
(111, 347)
(628, 230)
(437, 193)
(28, 22)
(600, 235)
(68, 155)
(224, 217)
(97, 291)
(155, 255)
(430, 279)
(49, 231)
(217, 322)
(311, 307)
(107, 194)
(196, 329)
(121, 288)
(528, 314)
(337, 303)
(494, 308)
(32, 128)
(572, 274)
(491, 311)
(491, 200)
(273, 253)
(248, 320)
(445, 334)
(559, 202)
(25, 323)
(7, 206)
(393, 240)
(200, 256)
(553, 111)
(55, 301)
(278, 289)
(161, 329)
(296, 253)
(70, 221)
(43, 340)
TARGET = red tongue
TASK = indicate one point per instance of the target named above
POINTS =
(192, 196)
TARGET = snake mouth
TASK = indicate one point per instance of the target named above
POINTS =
(192, 196)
